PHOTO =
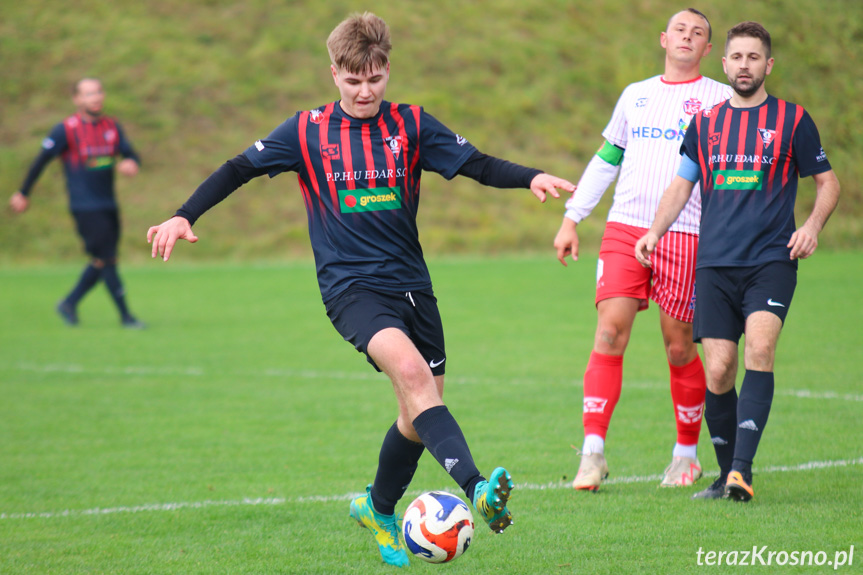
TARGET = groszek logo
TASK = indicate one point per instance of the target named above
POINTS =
(100, 162)
(370, 200)
(737, 180)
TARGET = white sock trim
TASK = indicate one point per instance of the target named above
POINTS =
(593, 444)
(690, 451)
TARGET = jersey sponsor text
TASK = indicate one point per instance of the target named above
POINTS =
(371, 200)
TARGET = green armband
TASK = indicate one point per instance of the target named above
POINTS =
(610, 153)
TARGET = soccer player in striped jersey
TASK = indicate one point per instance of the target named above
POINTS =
(748, 155)
(641, 146)
(89, 143)
(359, 162)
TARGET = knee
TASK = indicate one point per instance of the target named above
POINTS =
(98, 263)
(414, 373)
(611, 339)
(720, 378)
(759, 356)
(680, 352)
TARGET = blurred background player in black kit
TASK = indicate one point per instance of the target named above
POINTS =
(89, 144)
(359, 162)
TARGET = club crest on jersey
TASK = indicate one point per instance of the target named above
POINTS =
(330, 152)
(110, 135)
(394, 143)
(767, 136)
(315, 116)
(692, 106)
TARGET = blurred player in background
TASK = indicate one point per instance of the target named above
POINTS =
(359, 162)
(88, 144)
(748, 155)
(642, 143)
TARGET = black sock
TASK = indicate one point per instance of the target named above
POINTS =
(444, 439)
(115, 288)
(720, 413)
(396, 466)
(89, 277)
(753, 409)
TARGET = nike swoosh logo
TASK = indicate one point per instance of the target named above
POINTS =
(433, 364)
(774, 303)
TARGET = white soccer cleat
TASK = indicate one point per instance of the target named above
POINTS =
(682, 471)
(592, 470)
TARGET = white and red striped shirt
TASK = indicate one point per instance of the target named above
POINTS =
(649, 122)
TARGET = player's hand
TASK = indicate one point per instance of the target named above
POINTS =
(128, 167)
(543, 184)
(165, 235)
(803, 243)
(566, 241)
(644, 248)
(19, 202)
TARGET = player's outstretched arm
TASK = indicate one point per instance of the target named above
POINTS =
(19, 203)
(672, 203)
(805, 239)
(566, 241)
(164, 236)
(128, 167)
(544, 184)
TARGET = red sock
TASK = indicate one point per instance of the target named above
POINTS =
(688, 386)
(603, 379)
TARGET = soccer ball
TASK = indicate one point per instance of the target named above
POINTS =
(438, 527)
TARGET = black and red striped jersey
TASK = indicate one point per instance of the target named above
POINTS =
(360, 181)
(88, 151)
(751, 160)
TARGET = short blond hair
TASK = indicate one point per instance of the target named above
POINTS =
(360, 43)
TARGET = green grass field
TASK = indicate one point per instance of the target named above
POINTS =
(230, 436)
(533, 81)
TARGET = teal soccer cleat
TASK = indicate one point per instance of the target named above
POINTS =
(385, 529)
(490, 499)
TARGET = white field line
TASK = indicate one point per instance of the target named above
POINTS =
(151, 507)
(313, 374)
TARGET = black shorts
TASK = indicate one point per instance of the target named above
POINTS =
(100, 231)
(725, 297)
(359, 313)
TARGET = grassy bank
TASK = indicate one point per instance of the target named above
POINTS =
(194, 83)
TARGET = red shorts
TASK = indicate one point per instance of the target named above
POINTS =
(670, 282)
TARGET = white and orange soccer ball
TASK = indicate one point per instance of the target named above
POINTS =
(437, 527)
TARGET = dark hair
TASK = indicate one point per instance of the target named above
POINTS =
(750, 30)
(697, 13)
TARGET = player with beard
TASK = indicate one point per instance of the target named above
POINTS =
(748, 155)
